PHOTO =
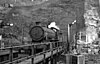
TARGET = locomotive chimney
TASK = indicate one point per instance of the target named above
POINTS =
(38, 23)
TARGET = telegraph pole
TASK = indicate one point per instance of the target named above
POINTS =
(68, 38)
(69, 34)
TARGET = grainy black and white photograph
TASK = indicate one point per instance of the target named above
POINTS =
(49, 31)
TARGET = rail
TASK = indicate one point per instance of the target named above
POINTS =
(45, 54)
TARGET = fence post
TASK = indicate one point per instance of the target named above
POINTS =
(44, 60)
(51, 44)
(57, 58)
(11, 55)
(33, 54)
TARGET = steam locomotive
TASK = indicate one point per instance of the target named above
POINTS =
(43, 34)
(40, 34)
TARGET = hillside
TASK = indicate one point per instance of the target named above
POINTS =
(62, 12)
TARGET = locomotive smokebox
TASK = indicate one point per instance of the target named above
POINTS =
(38, 33)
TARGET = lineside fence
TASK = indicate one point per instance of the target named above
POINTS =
(55, 48)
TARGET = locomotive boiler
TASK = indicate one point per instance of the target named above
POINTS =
(39, 33)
